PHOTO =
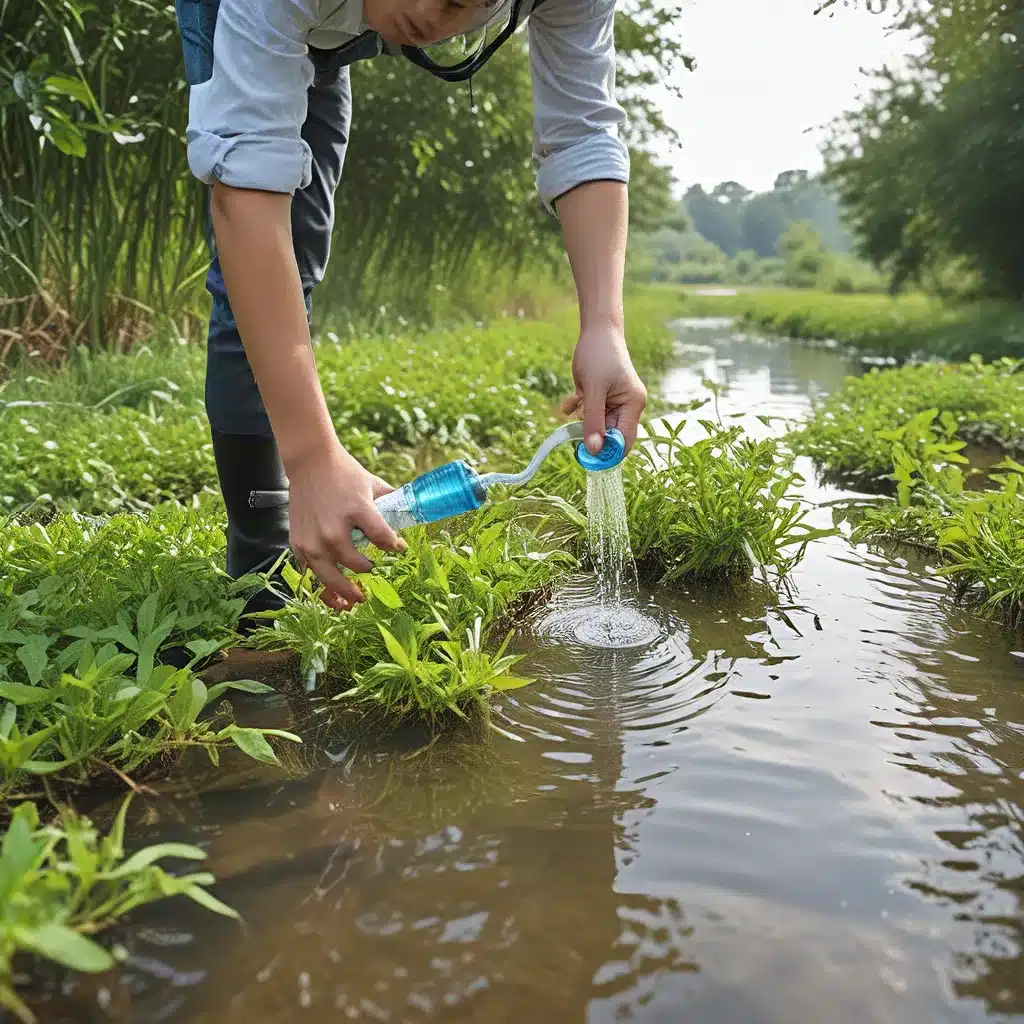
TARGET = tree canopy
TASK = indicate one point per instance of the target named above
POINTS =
(929, 169)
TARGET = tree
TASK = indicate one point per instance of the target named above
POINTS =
(929, 170)
(805, 256)
(763, 219)
(716, 218)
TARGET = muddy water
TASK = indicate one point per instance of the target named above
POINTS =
(806, 808)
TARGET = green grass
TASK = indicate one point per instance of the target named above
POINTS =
(63, 882)
(105, 621)
(851, 433)
(90, 614)
(108, 432)
(906, 327)
(426, 644)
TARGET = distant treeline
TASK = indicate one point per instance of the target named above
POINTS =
(737, 219)
(792, 235)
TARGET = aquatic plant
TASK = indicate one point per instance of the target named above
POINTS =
(722, 506)
(925, 408)
(978, 535)
(426, 644)
(84, 708)
(910, 326)
(717, 507)
(63, 882)
(90, 615)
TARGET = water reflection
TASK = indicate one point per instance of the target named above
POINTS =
(796, 807)
(776, 377)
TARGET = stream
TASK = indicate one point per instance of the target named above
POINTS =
(769, 809)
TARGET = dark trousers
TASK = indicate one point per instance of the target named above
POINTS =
(233, 401)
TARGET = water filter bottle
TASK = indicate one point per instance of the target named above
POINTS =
(440, 493)
(456, 487)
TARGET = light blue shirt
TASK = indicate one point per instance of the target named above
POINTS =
(245, 122)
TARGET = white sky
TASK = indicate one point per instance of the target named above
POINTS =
(768, 70)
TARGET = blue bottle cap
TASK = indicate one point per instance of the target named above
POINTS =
(612, 452)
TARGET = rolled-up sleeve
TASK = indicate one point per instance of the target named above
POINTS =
(245, 122)
(577, 120)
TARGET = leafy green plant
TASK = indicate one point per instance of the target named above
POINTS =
(403, 651)
(85, 708)
(90, 611)
(722, 506)
(926, 408)
(978, 535)
(64, 882)
(128, 575)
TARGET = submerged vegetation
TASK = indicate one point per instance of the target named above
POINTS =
(63, 882)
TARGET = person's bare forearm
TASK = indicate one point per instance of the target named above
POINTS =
(254, 245)
(594, 220)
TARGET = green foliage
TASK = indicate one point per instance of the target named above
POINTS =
(89, 572)
(924, 409)
(102, 226)
(62, 883)
(715, 509)
(107, 432)
(422, 645)
(978, 536)
(904, 327)
(720, 507)
(89, 613)
(927, 168)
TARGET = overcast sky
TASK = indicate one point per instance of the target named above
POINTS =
(767, 71)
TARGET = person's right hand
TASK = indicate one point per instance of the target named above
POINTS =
(330, 496)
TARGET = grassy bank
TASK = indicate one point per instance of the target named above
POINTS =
(906, 327)
(924, 408)
(114, 595)
(977, 536)
(109, 432)
(914, 432)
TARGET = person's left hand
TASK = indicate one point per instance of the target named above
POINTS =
(607, 387)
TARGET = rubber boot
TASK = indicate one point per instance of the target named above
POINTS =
(256, 536)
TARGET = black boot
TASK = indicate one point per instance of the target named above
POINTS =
(256, 535)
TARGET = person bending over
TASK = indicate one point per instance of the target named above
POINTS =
(269, 115)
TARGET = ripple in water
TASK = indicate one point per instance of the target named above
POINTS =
(608, 617)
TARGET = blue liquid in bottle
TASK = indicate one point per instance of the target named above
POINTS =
(446, 491)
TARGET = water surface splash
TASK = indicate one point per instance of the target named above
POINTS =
(603, 611)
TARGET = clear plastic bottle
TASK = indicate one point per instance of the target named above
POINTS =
(456, 487)
(440, 493)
